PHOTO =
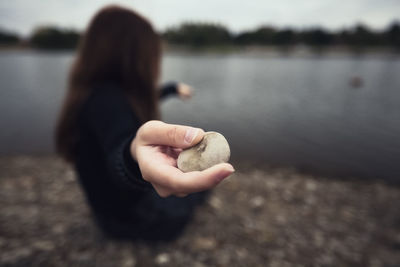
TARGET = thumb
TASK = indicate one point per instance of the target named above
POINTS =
(160, 133)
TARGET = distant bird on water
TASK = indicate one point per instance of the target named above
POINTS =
(356, 82)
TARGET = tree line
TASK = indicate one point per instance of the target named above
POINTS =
(209, 34)
(203, 34)
(49, 37)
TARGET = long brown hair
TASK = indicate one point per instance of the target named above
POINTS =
(119, 46)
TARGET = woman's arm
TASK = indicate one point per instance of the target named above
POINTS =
(142, 156)
(168, 89)
(183, 90)
(110, 121)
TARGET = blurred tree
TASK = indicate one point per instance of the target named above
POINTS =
(205, 34)
(198, 34)
(54, 38)
(360, 36)
(261, 36)
(392, 34)
(284, 37)
(8, 38)
(316, 37)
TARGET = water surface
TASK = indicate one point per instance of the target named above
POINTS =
(274, 110)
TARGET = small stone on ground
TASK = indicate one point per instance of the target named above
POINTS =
(274, 217)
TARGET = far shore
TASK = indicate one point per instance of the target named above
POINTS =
(291, 51)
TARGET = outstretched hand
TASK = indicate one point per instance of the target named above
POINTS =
(184, 91)
(156, 148)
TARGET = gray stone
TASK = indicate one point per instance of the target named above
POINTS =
(211, 150)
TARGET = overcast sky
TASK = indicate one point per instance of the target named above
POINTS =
(23, 15)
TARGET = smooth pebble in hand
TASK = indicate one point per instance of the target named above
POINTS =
(211, 150)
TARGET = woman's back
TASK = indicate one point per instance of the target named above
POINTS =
(105, 132)
(124, 205)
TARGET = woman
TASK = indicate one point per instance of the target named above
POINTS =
(108, 129)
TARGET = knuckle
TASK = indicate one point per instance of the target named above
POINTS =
(147, 128)
(145, 177)
(173, 185)
(172, 134)
(163, 193)
(148, 125)
(176, 186)
(142, 131)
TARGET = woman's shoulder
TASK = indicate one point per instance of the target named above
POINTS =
(105, 100)
(103, 95)
(106, 91)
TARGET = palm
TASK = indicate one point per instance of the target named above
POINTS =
(163, 159)
(160, 155)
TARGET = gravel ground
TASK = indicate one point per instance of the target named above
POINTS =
(274, 217)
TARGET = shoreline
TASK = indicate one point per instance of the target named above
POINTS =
(288, 51)
(298, 51)
(254, 218)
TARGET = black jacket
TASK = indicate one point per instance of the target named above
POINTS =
(124, 204)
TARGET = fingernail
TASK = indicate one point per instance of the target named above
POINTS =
(231, 168)
(190, 135)
(224, 175)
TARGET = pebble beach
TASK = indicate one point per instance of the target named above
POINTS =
(257, 217)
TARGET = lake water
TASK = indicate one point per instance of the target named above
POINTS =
(273, 109)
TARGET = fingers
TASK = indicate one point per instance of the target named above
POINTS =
(171, 181)
(164, 176)
(192, 182)
(160, 133)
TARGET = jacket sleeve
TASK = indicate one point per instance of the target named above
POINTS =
(113, 124)
(168, 89)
